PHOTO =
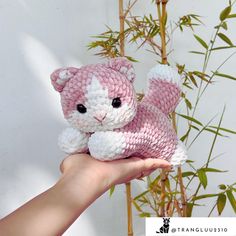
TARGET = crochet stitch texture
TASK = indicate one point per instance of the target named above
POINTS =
(99, 102)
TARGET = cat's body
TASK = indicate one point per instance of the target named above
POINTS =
(100, 104)
(165, 227)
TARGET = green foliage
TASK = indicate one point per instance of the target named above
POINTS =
(188, 21)
(225, 39)
(231, 199)
(112, 189)
(145, 31)
(108, 42)
(202, 177)
(201, 41)
(221, 201)
(225, 13)
(225, 76)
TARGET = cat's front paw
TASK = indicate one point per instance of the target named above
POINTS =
(73, 141)
(107, 146)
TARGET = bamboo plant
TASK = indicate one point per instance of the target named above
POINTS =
(173, 193)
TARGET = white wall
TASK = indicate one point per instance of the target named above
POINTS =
(39, 36)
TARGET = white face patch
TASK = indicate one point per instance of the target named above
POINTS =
(100, 115)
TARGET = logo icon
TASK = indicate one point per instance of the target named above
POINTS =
(165, 227)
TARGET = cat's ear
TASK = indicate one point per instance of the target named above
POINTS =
(122, 65)
(61, 76)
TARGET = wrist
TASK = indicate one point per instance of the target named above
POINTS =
(79, 191)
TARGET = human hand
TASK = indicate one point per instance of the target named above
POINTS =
(82, 167)
(83, 180)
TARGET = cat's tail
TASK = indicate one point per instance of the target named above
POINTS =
(164, 88)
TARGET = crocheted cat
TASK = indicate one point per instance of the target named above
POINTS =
(99, 102)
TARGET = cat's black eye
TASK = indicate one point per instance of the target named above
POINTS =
(81, 108)
(116, 102)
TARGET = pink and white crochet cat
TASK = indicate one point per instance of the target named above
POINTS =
(99, 102)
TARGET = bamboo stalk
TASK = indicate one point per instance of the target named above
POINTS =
(176, 203)
(129, 208)
(122, 53)
(163, 32)
(163, 193)
(161, 11)
(122, 27)
(161, 8)
(183, 193)
(180, 179)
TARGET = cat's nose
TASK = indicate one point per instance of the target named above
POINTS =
(100, 116)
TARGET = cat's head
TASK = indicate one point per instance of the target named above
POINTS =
(97, 97)
(166, 221)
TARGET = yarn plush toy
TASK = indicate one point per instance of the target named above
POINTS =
(99, 102)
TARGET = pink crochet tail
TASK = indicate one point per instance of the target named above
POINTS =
(164, 88)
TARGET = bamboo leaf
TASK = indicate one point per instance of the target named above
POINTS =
(196, 17)
(221, 48)
(144, 214)
(231, 199)
(167, 183)
(204, 196)
(215, 138)
(188, 103)
(185, 135)
(225, 13)
(232, 16)
(187, 173)
(224, 129)
(222, 187)
(214, 132)
(213, 170)
(165, 19)
(143, 200)
(138, 208)
(195, 127)
(111, 191)
(191, 119)
(201, 75)
(202, 177)
(201, 41)
(196, 52)
(224, 26)
(186, 85)
(140, 195)
(189, 209)
(131, 59)
(221, 201)
(225, 39)
(189, 161)
(225, 76)
(192, 79)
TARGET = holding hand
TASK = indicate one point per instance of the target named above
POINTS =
(83, 180)
(111, 173)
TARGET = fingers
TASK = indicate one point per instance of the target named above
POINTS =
(135, 167)
(151, 165)
(138, 165)
(148, 164)
(115, 172)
